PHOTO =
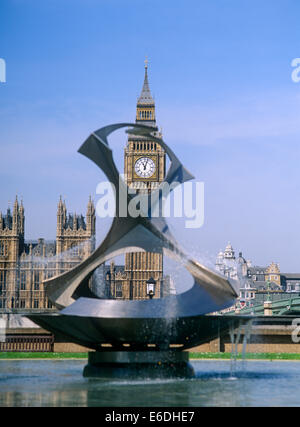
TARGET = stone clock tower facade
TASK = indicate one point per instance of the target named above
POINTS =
(145, 168)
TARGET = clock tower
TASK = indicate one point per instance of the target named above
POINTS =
(145, 160)
(145, 168)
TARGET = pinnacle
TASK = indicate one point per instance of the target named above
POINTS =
(145, 97)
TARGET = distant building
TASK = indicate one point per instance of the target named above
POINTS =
(290, 282)
(266, 278)
(25, 265)
(111, 281)
(256, 282)
(236, 269)
(272, 274)
(226, 262)
(230, 266)
(144, 171)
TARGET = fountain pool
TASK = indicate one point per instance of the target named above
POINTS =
(60, 383)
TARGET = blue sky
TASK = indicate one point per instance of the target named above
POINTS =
(220, 72)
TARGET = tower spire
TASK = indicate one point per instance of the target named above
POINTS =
(145, 97)
(145, 109)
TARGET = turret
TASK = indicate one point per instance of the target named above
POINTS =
(229, 252)
(90, 218)
(15, 222)
(22, 218)
(60, 217)
(145, 110)
(75, 222)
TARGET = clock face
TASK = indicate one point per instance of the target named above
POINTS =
(144, 167)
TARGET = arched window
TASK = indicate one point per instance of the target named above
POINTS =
(119, 291)
(3, 248)
(74, 250)
(36, 280)
(23, 280)
(3, 279)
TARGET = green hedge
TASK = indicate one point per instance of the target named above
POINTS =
(195, 356)
(37, 355)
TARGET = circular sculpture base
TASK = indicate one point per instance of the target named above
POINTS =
(138, 364)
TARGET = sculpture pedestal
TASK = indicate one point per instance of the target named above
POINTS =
(138, 364)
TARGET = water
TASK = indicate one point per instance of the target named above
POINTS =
(60, 383)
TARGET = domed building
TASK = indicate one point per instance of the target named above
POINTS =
(229, 252)
(226, 262)
(236, 269)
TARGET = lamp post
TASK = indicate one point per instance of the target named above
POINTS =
(151, 287)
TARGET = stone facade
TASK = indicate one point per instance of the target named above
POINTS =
(130, 281)
(272, 273)
(25, 265)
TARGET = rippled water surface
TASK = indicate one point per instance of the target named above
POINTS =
(60, 383)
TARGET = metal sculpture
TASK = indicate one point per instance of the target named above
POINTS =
(177, 321)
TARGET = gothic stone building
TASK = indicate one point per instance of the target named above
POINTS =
(24, 265)
(144, 170)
